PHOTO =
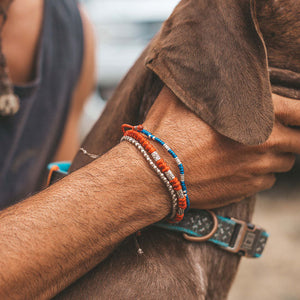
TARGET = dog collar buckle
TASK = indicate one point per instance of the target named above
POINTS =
(208, 235)
(247, 239)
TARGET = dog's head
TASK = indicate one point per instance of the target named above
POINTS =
(217, 57)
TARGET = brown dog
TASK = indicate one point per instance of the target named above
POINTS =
(219, 57)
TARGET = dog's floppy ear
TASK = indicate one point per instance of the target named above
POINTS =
(211, 54)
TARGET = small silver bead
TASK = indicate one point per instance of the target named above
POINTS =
(155, 156)
(180, 194)
(178, 161)
(83, 150)
(166, 147)
(180, 211)
(169, 175)
(163, 176)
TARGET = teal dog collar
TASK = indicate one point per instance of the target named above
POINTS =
(230, 234)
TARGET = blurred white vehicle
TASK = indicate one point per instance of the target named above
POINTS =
(123, 29)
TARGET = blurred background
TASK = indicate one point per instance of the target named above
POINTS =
(123, 28)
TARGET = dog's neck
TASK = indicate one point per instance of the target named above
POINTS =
(279, 22)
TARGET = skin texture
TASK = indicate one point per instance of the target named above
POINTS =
(59, 226)
(22, 29)
(76, 223)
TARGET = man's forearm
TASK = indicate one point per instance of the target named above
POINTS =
(56, 236)
(51, 239)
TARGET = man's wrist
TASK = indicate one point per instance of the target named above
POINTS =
(140, 187)
(67, 229)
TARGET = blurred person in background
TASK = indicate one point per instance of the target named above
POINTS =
(47, 61)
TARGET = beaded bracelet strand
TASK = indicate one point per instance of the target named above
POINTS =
(182, 205)
(173, 154)
(179, 211)
(140, 128)
(173, 184)
(157, 170)
(161, 165)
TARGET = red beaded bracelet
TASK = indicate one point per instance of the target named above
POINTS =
(157, 171)
(164, 168)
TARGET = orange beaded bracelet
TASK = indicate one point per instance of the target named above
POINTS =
(162, 166)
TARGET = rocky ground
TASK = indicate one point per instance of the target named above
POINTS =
(276, 275)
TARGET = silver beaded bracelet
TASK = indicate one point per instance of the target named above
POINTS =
(157, 171)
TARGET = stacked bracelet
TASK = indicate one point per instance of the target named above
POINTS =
(147, 148)
(136, 138)
(173, 154)
(157, 170)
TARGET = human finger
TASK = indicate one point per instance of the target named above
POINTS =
(238, 190)
(253, 186)
(287, 110)
(272, 163)
(283, 139)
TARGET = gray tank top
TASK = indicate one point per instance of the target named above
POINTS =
(29, 139)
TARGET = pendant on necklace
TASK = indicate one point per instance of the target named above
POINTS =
(9, 105)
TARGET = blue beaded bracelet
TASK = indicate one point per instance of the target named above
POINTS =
(173, 154)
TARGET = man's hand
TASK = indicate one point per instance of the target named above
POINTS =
(220, 171)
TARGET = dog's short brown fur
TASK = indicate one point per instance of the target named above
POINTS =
(219, 58)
